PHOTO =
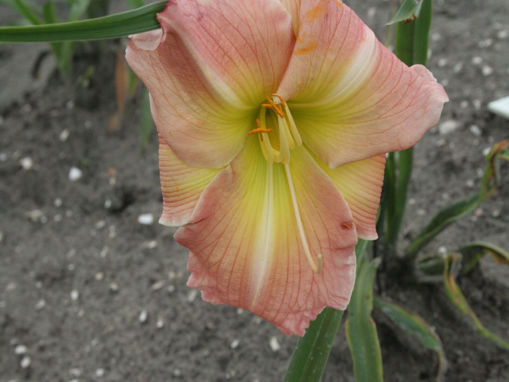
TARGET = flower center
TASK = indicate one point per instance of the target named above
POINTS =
(277, 131)
(278, 134)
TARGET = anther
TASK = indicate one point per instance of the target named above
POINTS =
(272, 105)
(259, 129)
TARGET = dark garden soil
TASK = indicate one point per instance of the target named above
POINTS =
(87, 293)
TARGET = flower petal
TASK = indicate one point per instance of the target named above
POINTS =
(245, 246)
(181, 186)
(242, 46)
(350, 96)
(191, 116)
(360, 183)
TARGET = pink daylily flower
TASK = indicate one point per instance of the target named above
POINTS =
(274, 117)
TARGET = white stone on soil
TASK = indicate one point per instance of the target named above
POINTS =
(20, 349)
(143, 316)
(27, 163)
(146, 219)
(25, 362)
(448, 126)
(474, 129)
(75, 295)
(64, 134)
(274, 344)
(75, 174)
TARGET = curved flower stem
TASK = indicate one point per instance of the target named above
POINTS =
(113, 26)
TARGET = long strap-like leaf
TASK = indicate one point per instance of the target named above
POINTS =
(113, 26)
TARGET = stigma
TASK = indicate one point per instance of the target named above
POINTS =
(277, 132)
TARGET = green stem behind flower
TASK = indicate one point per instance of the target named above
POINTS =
(412, 48)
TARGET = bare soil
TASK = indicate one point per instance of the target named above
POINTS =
(87, 293)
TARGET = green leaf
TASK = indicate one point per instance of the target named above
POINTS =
(457, 298)
(475, 251)
(432, 266)
(360, 328)
(459, 209)
(415, 326)
(312, 351)
(408, 12)
(78, 9)
(26, 12)
(146, 121)
(113, 26)
(421, 33)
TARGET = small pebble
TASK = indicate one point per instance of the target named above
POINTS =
(474, 129)
(448, 126)
(3, 157)
(20, 349)
(487, 70)
(464, 104)
(470, 183)
(158, 285)
(476, 60)
(458, 67)
(478, 212)
(99, 276)
(40, 304)
(146, 219)
(75, 174)
(88, 124)
(74, 294)
(107, 204)
(64, 134)
(57, 218)
(25, 362)
(100, 224)
(99, 372)
(192, 295)
(486, 151)
(113, 287)
(171, 288)
(143, 316)
(477, 104)
(496, 213)
(159, 323)
(75, 372)
(503, 34)
(70, 105)
(240, 311)
(150, 244)
(442, 250)
(176, 373)
(442, 62)
(27, 163)
(371, 13)
(274, 344)
(235, 344)
(35, 215)
(421, 212)
(104, 252)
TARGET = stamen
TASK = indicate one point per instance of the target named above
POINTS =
(300, 226)
(259, 129)
(272, 105)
